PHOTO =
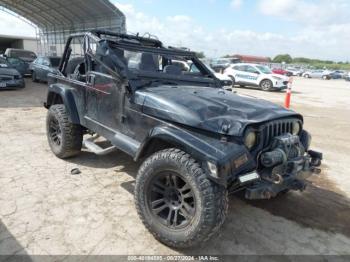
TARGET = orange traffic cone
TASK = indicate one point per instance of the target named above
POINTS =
(288, 93)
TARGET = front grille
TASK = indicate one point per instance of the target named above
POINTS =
(6, 78)
(276, 128)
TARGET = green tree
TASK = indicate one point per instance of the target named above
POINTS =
(283, 58)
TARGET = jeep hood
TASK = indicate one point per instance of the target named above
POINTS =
(210, 109)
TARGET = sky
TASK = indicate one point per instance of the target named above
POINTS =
(308, 28)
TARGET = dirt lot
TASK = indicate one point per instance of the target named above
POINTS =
(46, 210)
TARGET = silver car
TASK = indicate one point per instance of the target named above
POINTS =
(324, 74)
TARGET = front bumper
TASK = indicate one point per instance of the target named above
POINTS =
(279, 84)
(295, 179)
(11, 84)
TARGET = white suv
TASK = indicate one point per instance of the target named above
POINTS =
(256, 75)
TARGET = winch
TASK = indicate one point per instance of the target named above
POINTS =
(284, 148)
(284, 166)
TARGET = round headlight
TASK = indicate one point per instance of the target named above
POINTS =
(250, 139)
(296, 128)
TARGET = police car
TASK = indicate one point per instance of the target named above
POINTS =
(256, 75)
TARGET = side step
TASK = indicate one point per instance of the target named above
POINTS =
(89, 144)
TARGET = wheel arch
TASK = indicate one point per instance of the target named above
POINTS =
(202, 149)
(167, 137)
(60, 94)
(264, 79)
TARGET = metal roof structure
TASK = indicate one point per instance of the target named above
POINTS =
(56, 19)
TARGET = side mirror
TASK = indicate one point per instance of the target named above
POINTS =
(257, 72)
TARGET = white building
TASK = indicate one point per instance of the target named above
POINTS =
(21, 42)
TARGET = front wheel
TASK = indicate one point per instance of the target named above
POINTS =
(176, 201)
(65, 138)
(266, 85)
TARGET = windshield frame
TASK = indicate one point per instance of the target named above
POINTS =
(207, 79)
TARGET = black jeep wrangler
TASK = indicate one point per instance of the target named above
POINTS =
(197, 141)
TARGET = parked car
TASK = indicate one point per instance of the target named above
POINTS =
(324, 74)
(280, 71)
(187, 67)
(336, 75)
(295, 71)
(196, 140)
(24, 55)
(340, 73)
(10, 78)
(42, 66)
(256, 75)
(347, 76)
(19, 65)
(218, 65)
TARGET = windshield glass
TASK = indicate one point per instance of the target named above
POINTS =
(264, 69)
(23, 54)
(55, 61)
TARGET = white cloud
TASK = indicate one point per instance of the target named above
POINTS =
(316, 13)
(330, 42)
(326, 37)
(236, 4)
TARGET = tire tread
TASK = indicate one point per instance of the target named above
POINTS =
(214, 197)
(72, 135)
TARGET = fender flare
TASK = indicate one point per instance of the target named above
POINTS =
(201, 147)
(67, 96)
(181, 138)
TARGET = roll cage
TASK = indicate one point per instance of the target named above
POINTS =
(106, 40)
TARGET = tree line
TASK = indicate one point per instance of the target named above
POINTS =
(316, 63)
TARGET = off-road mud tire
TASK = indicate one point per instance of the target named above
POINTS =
(71, 135)
(210, 198)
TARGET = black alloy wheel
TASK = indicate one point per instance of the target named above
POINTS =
(55, 133)
(171, 200)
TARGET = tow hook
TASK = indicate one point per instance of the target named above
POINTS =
(277, 179)
(274, 178)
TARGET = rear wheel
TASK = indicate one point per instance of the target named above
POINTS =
(65, 138)
(266, 85)
(176, 201)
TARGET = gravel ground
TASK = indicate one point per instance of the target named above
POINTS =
(46, 210)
